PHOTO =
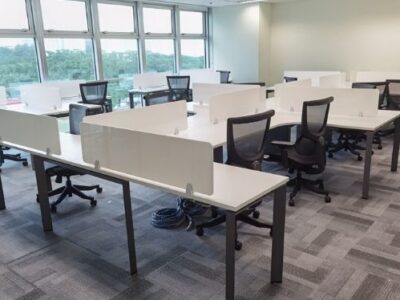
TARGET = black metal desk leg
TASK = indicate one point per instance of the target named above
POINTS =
(131, 99)
(367, 164)
(2, 201)
(396, 142)
(278, 235)
(230, 256)
(38, 164)
(129, 227)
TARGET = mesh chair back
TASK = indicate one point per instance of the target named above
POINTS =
(157, 98)
(247, 139)
(179, 87)
(224, 76)
(94, 92)
(393, 94)
(76, 114)
(363, 85)
(289, 79)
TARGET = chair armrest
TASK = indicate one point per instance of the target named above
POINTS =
(282, 144)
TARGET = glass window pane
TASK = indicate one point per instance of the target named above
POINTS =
(157, 20)
(191, 22)
(64, 15)
(120, 63)
(116, 18)
(69, 59)
(159, 55)
(192, 54)
(18, 64)
(13, 15)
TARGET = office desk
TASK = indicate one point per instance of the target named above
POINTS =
(143, 91)
(199, 128)
(229, 194)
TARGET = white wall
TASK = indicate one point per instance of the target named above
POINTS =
(347, 35)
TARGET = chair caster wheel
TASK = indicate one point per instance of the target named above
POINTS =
(380, 147)
(199, 231)
(238, 246)
(53, 209)
(25, 163)
(330, 155)
(256, 214)
(99, 190)
(359, 158)
(93, 203)
(327, 199)
(291, 202)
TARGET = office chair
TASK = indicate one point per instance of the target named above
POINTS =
(393, 94)
(96, 93)
(12, 157)
(349, 140)
(308, 155)
(157, 98)
(246, 144)
(76, 114)
(224, 76)
(179, 87)
(289, 79)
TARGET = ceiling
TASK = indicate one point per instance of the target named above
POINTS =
(216, 2)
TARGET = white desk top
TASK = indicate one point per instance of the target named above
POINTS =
(150, 89)
(234, 188)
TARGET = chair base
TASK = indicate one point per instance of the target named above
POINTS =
(316, 186)
(243, 217)
(12, 157)
(345, 143)
(68, 190)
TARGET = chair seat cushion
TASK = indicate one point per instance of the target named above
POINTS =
(61, 171)
(306, 163)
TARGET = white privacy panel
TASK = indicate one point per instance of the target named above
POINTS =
(41, 96)
(167, 118)
(3, 96)
(236, 104)
(68, 88)
(202, 76)
(203, 91)
(349, 102)
(168, 160)
(333, 81)
(147, 80)
(298, 83)
(31, 131)
(371, 76)
(313, 75)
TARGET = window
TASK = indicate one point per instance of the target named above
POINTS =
(69, 59)
(13, 15)
(191, 22)
(192, 54)
(157, 20)
(159, 55)
(64, 15)
(120, 63)
(18, 64)
(116, 18)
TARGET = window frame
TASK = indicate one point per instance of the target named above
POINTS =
(155, 34)
(22, 32)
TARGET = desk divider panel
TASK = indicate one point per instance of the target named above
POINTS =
(348, 102)
(3, 96)
(298, 83)
(147, 80)
(236, 104)
(313, 75)
(333, 81)
(202, 92)
(202, 76)
(41, 96)
(370, 76)
(168, 160)
(30, 131)
(167, 118)
(68, 88)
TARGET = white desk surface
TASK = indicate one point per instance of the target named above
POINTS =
(149, 89)
(234, 188)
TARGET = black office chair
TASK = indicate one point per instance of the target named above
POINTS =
(246, 144)
(289, 79)
(157, 98)
(96, 93)
(349, 140)
(224, 76)
(76, 114)
(308, 154)
(179, 87)
(13, 157)
(393, 94)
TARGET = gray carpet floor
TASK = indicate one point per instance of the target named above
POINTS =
(348, 249)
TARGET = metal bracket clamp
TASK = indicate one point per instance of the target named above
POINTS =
(97, 164)
(48, 151)
(189, 189)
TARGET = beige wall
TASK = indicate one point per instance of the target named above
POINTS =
(348, 35)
